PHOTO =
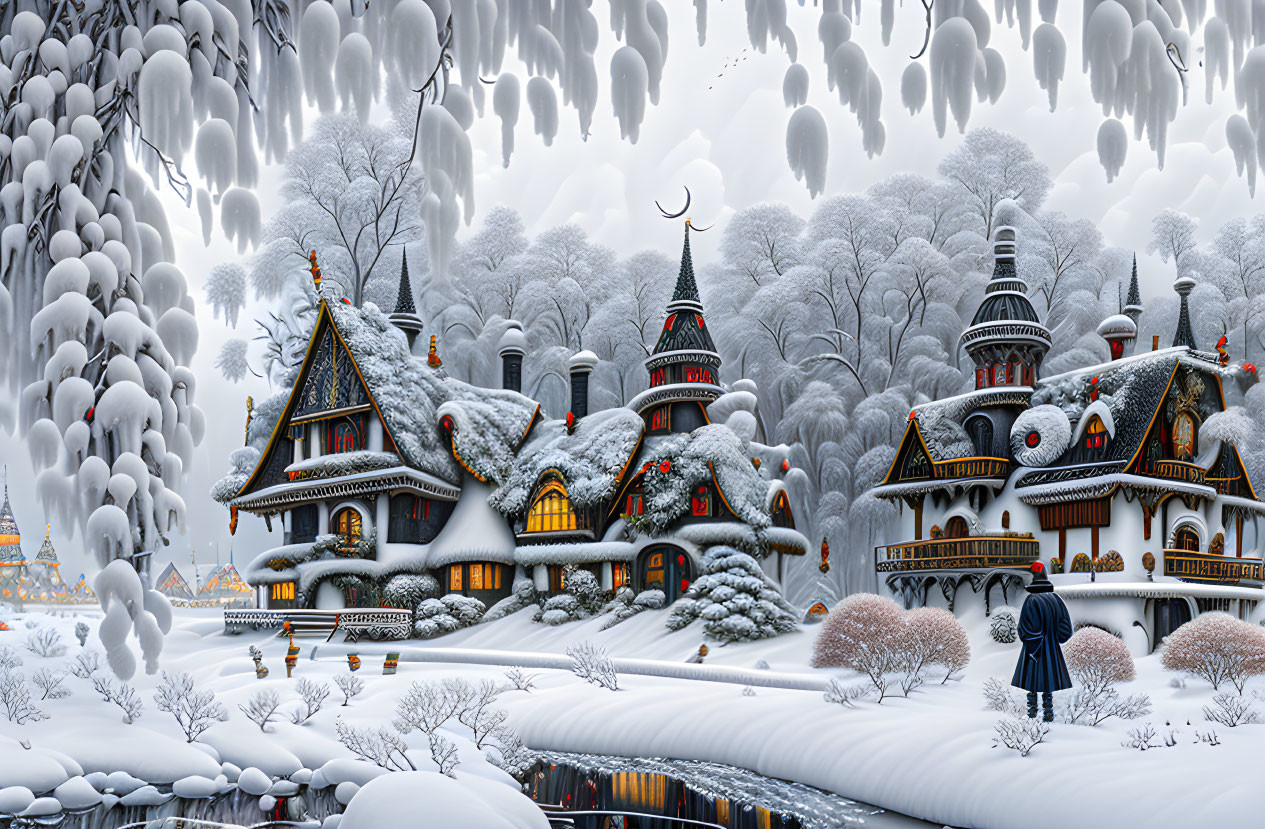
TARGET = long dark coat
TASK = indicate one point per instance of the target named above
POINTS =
(1044, 625)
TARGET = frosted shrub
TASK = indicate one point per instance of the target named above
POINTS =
(195, 709)
(312, 696)
(734, 599)
(407, 590)
(931, 636)
(349, 684)
(15, 699)
(384, 747)
(85, 664)
(1003, 625)
(81, 633)
(582, 597)
(262, 707)
(50, 683)
(1020, 734)
(1217, 648)
(520, 681)
(591, 663)
(863, 633)
(998, 697)
(840, 692)
(45, 642)
(561, 609)
(1096, 661)
(446, 614)
(627, 604)
(1141, 738)
(523, 595)
(1231, 710)
(128, 701)
(9, 659)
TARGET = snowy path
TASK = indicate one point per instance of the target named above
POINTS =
(644, 667)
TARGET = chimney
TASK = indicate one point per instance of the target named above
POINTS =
(1155, 342)
(581, 365)
(512, 347)
(1119, 331)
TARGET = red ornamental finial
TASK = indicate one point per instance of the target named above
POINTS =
(1223, 356)
(1093, 388)
(1037, 567)
(570, 421)
(432, 359)
(315, 269)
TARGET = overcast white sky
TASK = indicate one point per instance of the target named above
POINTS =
(727, 143)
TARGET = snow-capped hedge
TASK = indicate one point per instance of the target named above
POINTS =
(446, 614)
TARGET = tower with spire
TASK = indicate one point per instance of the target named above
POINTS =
(1184, 335)
(405, 316)
(10, 537)
(1133, 302)
(684, 366)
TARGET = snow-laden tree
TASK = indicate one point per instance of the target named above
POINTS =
(990, 167)
(734, 599)
(225, 290)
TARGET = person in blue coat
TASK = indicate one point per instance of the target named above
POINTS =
(1044, 625)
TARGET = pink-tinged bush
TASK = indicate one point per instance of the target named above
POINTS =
(863, 633)
(932, 636)
(1218, 648)
(1096, 659)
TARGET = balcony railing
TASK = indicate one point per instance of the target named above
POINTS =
(1210, 568)
(1184, 471)
(970, 553)
(972, 468)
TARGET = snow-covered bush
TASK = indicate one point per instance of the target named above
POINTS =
(627, 604)
(122, 695)
(520, 680)
(581, 598)
(1021, 734)
(85, 664)
(999, 697)
(931, 636)
(383, 746)
(841, 692)
(349, 684)
(50, 683)
(591, 663)
(9, 659)
(1141, 737)
(1003, 625)
(195, 709)
(1096, 661)
(312, 697)
(446, 614)
(735, 600)
(1217, 648)
(561, 609)
(1231, 710)
(81, 633)
(522, 595)
(15, 698)
(863, 632)
(261, 707)
(407, 590)
(45, 642)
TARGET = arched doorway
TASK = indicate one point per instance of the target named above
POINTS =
(665, 568)
(1170, 614)
(347, 523)
(1186, 538)
(956, 528)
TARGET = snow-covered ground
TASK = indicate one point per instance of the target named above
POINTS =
(930, 755)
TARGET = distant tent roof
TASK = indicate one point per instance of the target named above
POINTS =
(225, 582)
(47, 554)
(10, 537)
(172, 585)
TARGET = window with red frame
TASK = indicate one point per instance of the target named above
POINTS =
(691, 375)
(341, 437)
(659, 420)
(701, 503)
(635, 504)
(981, 378)
(656, 377)
(705, 376)
(999, 374)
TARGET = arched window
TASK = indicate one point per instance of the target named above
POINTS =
(1186, 539)
(1184, 436)
(1095, 434)
(701, 503)
(956, 528)
(347, 523)
(552, 511)
(341, 436)
(980, 428)
(999, 374)
(1005, 520)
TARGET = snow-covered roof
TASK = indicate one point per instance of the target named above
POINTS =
(940, 421)
(1156, 590)
(589, 460)
(474, 532)
(585, 553)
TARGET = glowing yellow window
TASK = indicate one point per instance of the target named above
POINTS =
(476, 576)
(552, 511)
(454, 578)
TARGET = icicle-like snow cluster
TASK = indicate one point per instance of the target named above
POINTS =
(808, 147)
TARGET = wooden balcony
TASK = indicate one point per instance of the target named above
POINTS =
(976, 552)
(1173, 470)
(972, 468)
(1208, 568)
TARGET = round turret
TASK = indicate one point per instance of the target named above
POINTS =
(1006, 339)
(512, 341)
(582, 361)
(1118, 330)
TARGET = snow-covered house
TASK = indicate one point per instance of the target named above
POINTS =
(1144, 517)
(379, 464)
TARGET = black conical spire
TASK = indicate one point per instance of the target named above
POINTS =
(1135, 297)
(404, 299)
(1184, 335)
(686, 287)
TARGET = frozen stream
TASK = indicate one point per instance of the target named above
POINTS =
(696, 786)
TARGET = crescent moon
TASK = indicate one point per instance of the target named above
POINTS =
(679, 213)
